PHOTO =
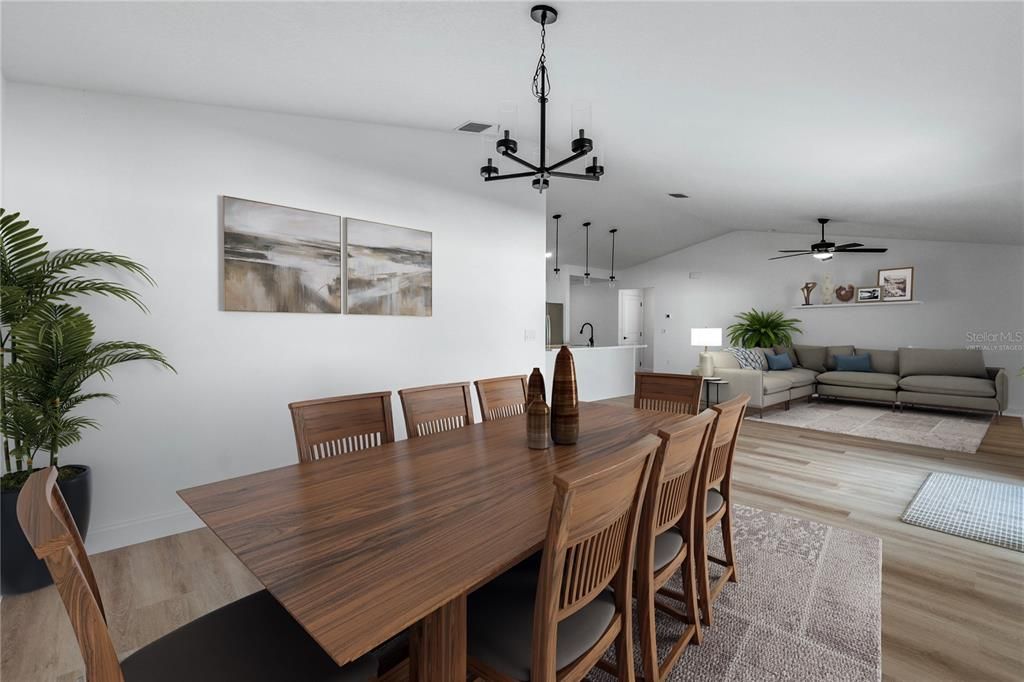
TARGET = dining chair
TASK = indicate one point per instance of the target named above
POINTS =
(715, 498)
(328, 427)
(679, 393)
(665, 541)
(434, 409)
(558, 623)
(501, 397)
(252, 639)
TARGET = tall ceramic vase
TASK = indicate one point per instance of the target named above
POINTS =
(565, 402)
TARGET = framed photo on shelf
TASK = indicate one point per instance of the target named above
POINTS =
(869, 294)
(897, 284)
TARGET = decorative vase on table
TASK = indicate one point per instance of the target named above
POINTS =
(538, 418)
(565, 403)
(535, 387)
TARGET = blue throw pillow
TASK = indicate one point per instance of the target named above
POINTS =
(853, 363)
(779, 362)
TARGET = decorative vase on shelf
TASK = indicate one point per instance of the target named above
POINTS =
(827, 289)
(565, 403)
(806, 290)
(844, 292)
(535, 387)
(538, 417)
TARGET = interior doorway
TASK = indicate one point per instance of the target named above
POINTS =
(631, 321)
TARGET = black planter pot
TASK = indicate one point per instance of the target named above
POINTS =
(20, 570)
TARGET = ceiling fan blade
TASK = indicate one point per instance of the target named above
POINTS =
(794, 251)
(851, 245)
(790, 255)
(864, 250)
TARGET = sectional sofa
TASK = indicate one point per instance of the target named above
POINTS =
(955, 379)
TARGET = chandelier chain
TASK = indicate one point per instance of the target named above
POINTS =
(541, 80)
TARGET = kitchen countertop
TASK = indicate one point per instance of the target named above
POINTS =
(577, 348)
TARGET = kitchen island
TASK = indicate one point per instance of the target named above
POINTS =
(601, 371)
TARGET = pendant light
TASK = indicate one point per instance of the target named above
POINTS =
(507, 147)
(586, 274)
(557, 216)
(611, 279)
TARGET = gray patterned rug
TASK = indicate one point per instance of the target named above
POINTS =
(960, 432)
(973, 508)
(807, 606)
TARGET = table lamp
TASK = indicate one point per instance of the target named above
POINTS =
(706, 336)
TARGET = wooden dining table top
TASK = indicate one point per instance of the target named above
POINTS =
(360, 546)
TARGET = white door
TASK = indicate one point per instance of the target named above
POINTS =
(631, 319)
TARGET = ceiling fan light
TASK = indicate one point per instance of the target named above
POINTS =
(822, 255)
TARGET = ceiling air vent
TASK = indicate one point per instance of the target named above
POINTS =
(474, 127)
(678, 195)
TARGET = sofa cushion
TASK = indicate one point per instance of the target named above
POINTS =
(889, 382)
(749, 358)
(811, 357)
(774, 382)
(724, 359)
(969, 386)
(777, 363)
(958, 362)
(884, 361)
(779, 350)
(798, 376)
(853, 363)
(832, 351)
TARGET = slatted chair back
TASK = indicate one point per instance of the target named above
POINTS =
(328, 427)
(671, 493)
(723, 448)
(53, 535)
(434, 409)
(501, 397)
(590, 544)
(678, 393)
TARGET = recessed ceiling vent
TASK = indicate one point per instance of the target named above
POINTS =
(678, 195)
(474, 127)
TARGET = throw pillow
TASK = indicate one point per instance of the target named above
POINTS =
(749, 358)
(853, 363)
(778, 362)
(832, 351)
(788, 351)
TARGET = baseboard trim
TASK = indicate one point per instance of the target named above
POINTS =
(122, 534)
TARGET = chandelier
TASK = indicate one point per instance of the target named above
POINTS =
(507, 147)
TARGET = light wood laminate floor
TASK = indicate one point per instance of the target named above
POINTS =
(951, 608)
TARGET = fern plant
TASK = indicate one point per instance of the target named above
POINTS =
(760, 329)
(48, 350)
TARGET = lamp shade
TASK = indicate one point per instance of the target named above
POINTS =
(706, 336)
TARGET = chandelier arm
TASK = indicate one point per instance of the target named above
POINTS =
(573, 176)
(522, 162)
(510, 176)
(568, 159)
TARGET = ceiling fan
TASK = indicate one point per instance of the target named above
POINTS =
(823, 250)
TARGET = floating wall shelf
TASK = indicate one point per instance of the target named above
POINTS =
(855, 305)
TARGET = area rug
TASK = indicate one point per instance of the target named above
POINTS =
(960, 432)
(807, 607)
(974, 508)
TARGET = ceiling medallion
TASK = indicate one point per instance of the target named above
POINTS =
(507, 147)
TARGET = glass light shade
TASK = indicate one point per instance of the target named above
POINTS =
(823, 255)
(706, 336)
(586, 281)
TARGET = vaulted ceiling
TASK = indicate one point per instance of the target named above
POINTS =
(899, 120)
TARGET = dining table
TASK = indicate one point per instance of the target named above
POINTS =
(363, 546)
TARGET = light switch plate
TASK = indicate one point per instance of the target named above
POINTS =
(529, 335)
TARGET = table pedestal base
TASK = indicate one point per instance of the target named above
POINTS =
(437, 651)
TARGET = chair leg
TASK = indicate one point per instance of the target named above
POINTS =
(648, 636)
(730, 556)
(690, 585)
(624, 646)
(703, 579)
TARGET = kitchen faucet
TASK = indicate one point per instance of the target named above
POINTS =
(585, 325)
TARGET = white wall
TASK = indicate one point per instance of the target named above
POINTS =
(964, 288)
(142, 177)
(597, 304)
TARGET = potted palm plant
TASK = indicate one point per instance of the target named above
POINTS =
(760, 329)
(49, 356)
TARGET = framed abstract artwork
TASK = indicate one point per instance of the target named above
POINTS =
(388, 269)
(897, 284)
(280, 259)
